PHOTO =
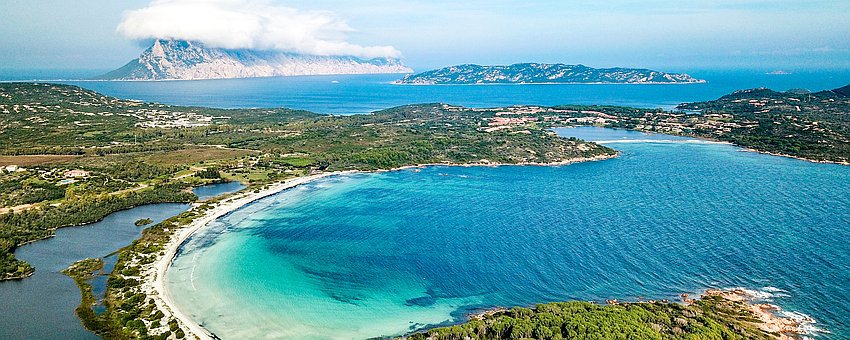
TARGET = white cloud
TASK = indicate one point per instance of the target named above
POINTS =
(247, 24)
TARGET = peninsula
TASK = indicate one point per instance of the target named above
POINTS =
(794, 123)
(717, 314)
(534, 73)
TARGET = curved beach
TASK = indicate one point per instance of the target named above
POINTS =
(154, 284)
(719, 158)
(155, 287)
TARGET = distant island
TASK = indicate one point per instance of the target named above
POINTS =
(186, 60)
(533, 73)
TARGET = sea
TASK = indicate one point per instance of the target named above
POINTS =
(357, 94)
(372, 255)
(383, 254)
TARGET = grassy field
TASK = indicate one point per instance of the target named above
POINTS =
(196, 155)
(31, 160)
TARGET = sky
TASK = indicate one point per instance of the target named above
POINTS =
(670, 35)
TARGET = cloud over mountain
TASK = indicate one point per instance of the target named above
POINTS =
(247, 24)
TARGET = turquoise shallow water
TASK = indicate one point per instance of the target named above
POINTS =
(383, 254)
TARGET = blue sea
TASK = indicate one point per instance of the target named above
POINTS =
(382, 254)
(355, 94)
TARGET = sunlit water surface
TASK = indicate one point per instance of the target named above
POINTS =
(370, 255)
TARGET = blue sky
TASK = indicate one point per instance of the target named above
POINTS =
(670, 35)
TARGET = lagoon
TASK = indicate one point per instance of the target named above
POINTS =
(214, 190)
(42, 306)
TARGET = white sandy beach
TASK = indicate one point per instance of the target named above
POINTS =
(155, 287)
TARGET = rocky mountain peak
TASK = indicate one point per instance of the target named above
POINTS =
(177, 59)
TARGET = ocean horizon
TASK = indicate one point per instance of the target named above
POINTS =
(359, 94)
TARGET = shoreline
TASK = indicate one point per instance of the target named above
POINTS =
(748, 149)
(154, 285)
(496, 164)
(766, 317)
(710, 141)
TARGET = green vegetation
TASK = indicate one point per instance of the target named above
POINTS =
(85, 269)
(89, 155)
(143, 221)
(18, 188)
(129, 313)
(82, 272)
(40, 222)
(10, 267)
(60, 119)
(708, 318)
(209, 173)
(814, 126)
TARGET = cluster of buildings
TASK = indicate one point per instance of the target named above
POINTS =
(12, 168)
(508, 118)
(153, 118)
(64, 177)
(85, 103)
(515, 118)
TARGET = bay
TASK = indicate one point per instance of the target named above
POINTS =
(384, 254)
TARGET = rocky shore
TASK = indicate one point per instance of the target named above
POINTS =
(715, 314)
(487, 163)
(767, 316)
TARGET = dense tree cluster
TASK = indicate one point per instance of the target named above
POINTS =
(33, 224)
(813, 126)
(17, 189)
(209, 173)
(10, 267)
(710, 318)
